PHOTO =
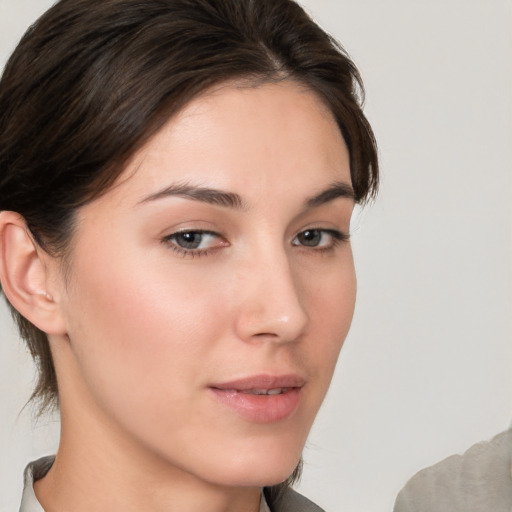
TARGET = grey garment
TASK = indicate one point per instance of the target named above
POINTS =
(480, 480)
(290, 502)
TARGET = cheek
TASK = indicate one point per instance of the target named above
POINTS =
(138, 329)
(330, 306)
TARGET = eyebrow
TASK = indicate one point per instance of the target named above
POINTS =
(232, 200)
(336, 190)
(199, 193)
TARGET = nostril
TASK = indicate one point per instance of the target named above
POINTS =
(266, 335)
(263, 324)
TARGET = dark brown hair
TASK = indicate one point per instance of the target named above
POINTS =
(92, 80)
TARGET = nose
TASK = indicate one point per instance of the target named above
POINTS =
(272, 305)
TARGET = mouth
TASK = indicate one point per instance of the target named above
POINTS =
(275, 391)
(261, 398)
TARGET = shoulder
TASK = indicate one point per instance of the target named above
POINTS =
(480, 479)
(291, 501)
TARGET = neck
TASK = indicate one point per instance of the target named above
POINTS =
(92, 475)
(99, 467)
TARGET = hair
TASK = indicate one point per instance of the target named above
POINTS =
(92, 80)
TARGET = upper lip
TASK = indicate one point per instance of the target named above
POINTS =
(262, 382)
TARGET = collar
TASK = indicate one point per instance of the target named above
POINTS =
(33, 472)
(37, 469)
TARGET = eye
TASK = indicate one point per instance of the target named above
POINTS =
(319, 238)
(194, 242)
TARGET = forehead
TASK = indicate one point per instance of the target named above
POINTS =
(246, 139)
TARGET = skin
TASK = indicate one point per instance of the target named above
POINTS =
(146, 327)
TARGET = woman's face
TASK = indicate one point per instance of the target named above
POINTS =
(211, 289)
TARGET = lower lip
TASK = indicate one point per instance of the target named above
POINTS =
(260, 408)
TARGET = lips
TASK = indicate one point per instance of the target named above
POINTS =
(261, 398)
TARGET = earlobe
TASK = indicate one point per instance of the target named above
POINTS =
(24, 275)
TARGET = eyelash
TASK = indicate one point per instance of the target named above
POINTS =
(338, 237)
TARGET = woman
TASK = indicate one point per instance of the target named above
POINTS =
(177, 181)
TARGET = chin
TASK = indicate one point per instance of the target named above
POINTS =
(261, 460)
(252, 477)
(260, 469)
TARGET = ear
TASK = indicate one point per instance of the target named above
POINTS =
(24, 275)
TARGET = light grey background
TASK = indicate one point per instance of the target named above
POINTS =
(426, 370)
